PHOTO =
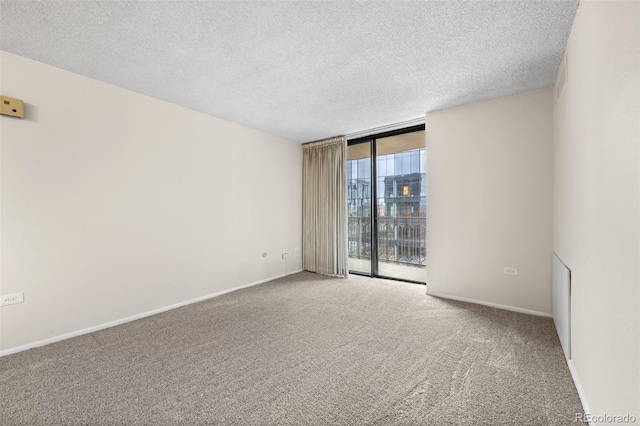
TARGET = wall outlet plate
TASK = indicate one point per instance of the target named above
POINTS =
(510, 271)
(10, 299)
(11, 107)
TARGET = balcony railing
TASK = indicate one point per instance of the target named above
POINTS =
(401, 240)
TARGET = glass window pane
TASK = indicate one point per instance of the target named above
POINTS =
(415, 162)
(398, 165)
(401, 232)
(382, 167)
(359, 209)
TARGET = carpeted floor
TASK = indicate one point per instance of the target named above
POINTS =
(301, 350)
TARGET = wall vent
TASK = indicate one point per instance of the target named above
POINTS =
(561, 302)
(563, 76)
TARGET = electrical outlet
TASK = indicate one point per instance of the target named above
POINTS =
(11, 107)
(264, 254)
(285, 255)
(11, 299)
(510, 271)
(285, 251)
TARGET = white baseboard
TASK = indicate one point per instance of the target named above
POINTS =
(579, 388)
(493, 305)
(133, 317)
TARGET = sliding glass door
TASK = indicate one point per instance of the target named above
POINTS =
(359, 196)
(386, 195)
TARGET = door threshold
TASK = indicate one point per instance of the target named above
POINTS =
(364, 274)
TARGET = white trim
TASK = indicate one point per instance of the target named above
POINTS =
(493, 305)
(579, 388)
(386, 128)
(133, 317)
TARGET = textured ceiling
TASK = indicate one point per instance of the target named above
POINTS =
(300, 70)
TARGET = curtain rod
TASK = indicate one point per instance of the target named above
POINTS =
(386, 128)
(322, 142)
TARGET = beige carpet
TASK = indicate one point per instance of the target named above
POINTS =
(302, 350)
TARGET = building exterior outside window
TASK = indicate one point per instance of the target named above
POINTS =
(401, 207)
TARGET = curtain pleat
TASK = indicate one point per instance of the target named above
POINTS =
(324, 207)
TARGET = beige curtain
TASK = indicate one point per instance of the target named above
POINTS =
(324, 206)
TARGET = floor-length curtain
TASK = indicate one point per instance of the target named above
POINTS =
(324, 220)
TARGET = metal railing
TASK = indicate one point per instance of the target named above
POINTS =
(401, 240)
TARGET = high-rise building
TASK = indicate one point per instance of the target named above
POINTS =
(400, 203)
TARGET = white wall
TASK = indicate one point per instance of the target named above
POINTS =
(114, 203)
(596, 214)
(489, 201)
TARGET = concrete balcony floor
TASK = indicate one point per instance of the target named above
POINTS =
(393, 270)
